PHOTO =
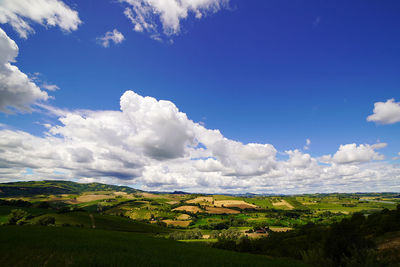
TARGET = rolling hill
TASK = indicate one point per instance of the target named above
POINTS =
(57, 187)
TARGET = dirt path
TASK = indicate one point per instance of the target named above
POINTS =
(92, 219)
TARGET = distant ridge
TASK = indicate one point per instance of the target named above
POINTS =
(54, 187)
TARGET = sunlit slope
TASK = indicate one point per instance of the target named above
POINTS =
(56, 187)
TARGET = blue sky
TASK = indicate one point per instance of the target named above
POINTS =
(266, 72)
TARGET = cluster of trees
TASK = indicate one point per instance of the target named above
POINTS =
(15, 203)
(293, 218)
(350, 242)
(227, 222)
(231, 239)
(21, 217)
(46, 221)
(186, 235)
(18, 217)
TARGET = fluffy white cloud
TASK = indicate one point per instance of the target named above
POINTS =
(152, 145)
(144, 14)
(114, 36)
(308, 143)
(386, 112)
(19, 14)
(351, 153)
(209, 165)
(17, 91)
(298, 159)
(237, 158)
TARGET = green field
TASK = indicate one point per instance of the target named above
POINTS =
(64, 246)
(87, 222)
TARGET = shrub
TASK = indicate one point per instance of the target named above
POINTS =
(195, 234)
(18, 217)
(46, 220)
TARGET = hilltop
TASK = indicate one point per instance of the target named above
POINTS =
(52, 187)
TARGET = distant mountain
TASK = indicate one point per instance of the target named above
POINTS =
(56, 187)
(180, 193)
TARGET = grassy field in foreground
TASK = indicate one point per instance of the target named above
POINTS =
(67, 246)
(104, 222)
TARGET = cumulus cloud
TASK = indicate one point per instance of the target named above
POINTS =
(114, 36)
(298, 159)
(386, 112)
(146, 15)
(19, 14)
(351, 153)
(308, 143)
(17, 91)
(153, 144)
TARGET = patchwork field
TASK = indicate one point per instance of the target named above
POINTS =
(200, 200)
(280, 229)
(88, 198)
(234, 203)
(213, 210)
(177, 223)
(191, 217)
(282, 203)
(183, 217)
(191, 209)
(256, 235)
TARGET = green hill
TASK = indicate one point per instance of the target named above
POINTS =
(104, 222)
(69, 246)
(32, 188)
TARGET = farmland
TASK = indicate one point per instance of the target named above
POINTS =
(62, 246)
(190, 211)
(206, 219)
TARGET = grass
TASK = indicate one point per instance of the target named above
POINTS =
(6, 210)
(207, 241)
(64, 246)
(223, 197)
(296, 204)
(104, 222)
(261, 202)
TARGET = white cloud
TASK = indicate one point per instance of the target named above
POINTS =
(50, 87)
(19, 14)
(209, 165)
(151, 144)
(351, 153)
(379, 145)
(114, 36)
(386, 112)
(17, 91)
(308, 143)
(298, 159)
(145, 14)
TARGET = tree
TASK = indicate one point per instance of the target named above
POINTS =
(47, 220)
(18, 217)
